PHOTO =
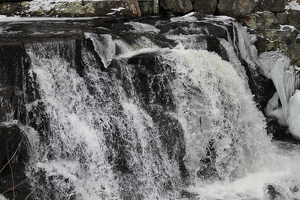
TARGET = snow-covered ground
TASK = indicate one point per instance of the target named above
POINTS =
(4, 18)
(293, 5)
(49, 4)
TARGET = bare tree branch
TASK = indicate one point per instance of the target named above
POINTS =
(32, 191)
(8, 162)
(12, 174)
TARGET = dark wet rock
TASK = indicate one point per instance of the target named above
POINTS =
(9, 102)
(279, 132)
(152, 88)
(13, 76)
(236, 8)
(207, 169)
(213, 44)
(294, 189)
(188, 195)
(13, 56)
(177, 6)
(263, 89)
(272, 193)
(13, 144)
(199, 28)
(152, 82)
(207, 7)
(262, 21)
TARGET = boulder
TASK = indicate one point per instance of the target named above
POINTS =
(262, 21)
(282, 18)
(286, 34)
(293, 52)
(207, 7)
(177, 6)
(286, 39)
(236, 8)
(273, 5)
(293, 18)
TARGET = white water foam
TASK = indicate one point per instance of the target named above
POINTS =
(72, 114)
(212, 105)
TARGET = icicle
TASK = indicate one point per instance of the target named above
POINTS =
(104, 46)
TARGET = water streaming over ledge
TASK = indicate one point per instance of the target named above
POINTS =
(160, 117)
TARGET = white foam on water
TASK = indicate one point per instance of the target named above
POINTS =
(213, 104)
(72, 114)
(277, 176)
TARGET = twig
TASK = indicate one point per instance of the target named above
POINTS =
(8, 162)
(16, 185)
(32, 191)
(12, 175)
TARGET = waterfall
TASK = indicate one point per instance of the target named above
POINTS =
(100, 125)
(162, 116)
(74, 144)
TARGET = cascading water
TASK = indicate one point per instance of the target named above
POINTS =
(151, 119)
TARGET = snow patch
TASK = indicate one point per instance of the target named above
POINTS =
(287, 27)
(294, 114)
(47, 5)
(17, 18)
(274, 110)
(292, 5)
(115, 10)
(2, 197)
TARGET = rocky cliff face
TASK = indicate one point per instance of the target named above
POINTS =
(14, 148)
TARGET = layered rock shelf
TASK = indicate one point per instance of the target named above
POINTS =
(274, 22)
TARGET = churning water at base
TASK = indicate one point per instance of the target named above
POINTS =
(134, 122)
